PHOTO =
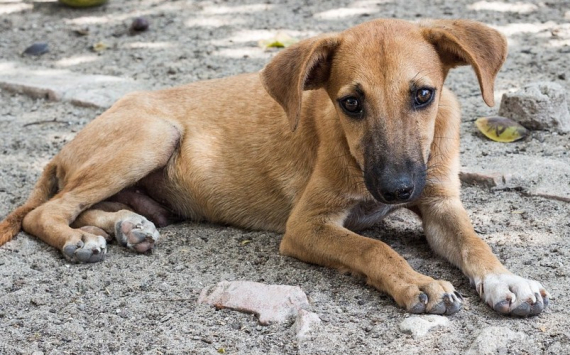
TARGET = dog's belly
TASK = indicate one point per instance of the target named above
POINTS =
(368, 213)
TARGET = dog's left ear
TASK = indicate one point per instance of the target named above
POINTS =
(303, 66)
(463, 42)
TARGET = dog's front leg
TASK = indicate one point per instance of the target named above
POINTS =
(315, 234)
(450, 234)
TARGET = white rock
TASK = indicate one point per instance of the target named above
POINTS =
(419, 326)
(271, 303)
(538, 106)
(305, 323)
(491, 339)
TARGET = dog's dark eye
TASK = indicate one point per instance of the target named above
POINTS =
(423, 97)
(351, 105)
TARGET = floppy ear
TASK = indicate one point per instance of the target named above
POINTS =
(462, 42)
(303, 66)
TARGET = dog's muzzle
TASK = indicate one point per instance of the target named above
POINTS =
(388, 185)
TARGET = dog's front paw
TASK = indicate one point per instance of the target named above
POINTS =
(137, 233)
(90, 248)
(513, 295)
(434, 297)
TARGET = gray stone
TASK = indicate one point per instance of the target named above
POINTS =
(271, 303)
(419, 326)
(305, 323)
(540, 106)
(495, 340)
(64, 85)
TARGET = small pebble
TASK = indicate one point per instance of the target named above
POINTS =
(37, 49)
(139, 24)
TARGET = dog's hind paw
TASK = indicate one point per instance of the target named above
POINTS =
(89, 249)
(513, 295)
(137, 233)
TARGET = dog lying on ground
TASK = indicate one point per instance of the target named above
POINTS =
(333, 134)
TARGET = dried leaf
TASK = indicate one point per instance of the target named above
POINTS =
(501, 129)
(99, 46)
(82, 3)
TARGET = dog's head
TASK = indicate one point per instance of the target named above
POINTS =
(385, 78)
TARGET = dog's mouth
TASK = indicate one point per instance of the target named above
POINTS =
(389, 186)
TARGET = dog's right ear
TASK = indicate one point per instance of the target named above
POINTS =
(303, 66)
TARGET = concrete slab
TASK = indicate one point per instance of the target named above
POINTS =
(64, 85)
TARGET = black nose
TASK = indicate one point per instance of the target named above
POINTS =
(401, 193)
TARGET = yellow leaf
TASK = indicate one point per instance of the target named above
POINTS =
(501, 129)
(222, 350)
(281, 40)
(245, 242)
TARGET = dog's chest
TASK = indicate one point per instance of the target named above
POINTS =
(366, 214)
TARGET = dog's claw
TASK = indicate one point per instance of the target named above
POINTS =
(136, 233)
(90, 249)
(458, 295)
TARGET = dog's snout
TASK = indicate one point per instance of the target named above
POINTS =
(401, 193)
(396, 183)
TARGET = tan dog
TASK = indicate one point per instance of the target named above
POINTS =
(333, 134)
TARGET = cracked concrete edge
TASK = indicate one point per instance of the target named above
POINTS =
(100, 91)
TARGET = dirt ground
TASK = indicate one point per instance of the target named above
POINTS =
(146, 304)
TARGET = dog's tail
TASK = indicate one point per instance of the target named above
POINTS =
(45, 188)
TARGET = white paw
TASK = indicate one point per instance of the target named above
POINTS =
(512, 294)
(137, 233)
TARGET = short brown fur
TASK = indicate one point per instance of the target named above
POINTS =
(277, 151)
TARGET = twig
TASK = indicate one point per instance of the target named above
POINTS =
(45, 121)
(173, 300)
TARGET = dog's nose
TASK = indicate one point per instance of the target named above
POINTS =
(401, 194)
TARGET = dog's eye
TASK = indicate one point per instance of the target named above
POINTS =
(351, 105)
(423, 97)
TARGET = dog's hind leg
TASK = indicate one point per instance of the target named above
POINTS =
(130, 229)
(108, 155)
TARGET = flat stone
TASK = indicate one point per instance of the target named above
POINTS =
(271, 303)
(64, 85)
(540, 106)
(485, 179)
(419, 326)
(545, 177)
(493, 340)
(305, 323)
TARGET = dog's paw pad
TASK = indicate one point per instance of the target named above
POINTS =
(513, 295)
(449, 304)
(453, 302)
(420, 306)
(137, 233)
(90, 249)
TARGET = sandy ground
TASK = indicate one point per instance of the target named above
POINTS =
(146, 304)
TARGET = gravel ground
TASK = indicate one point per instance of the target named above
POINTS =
(146, 304)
